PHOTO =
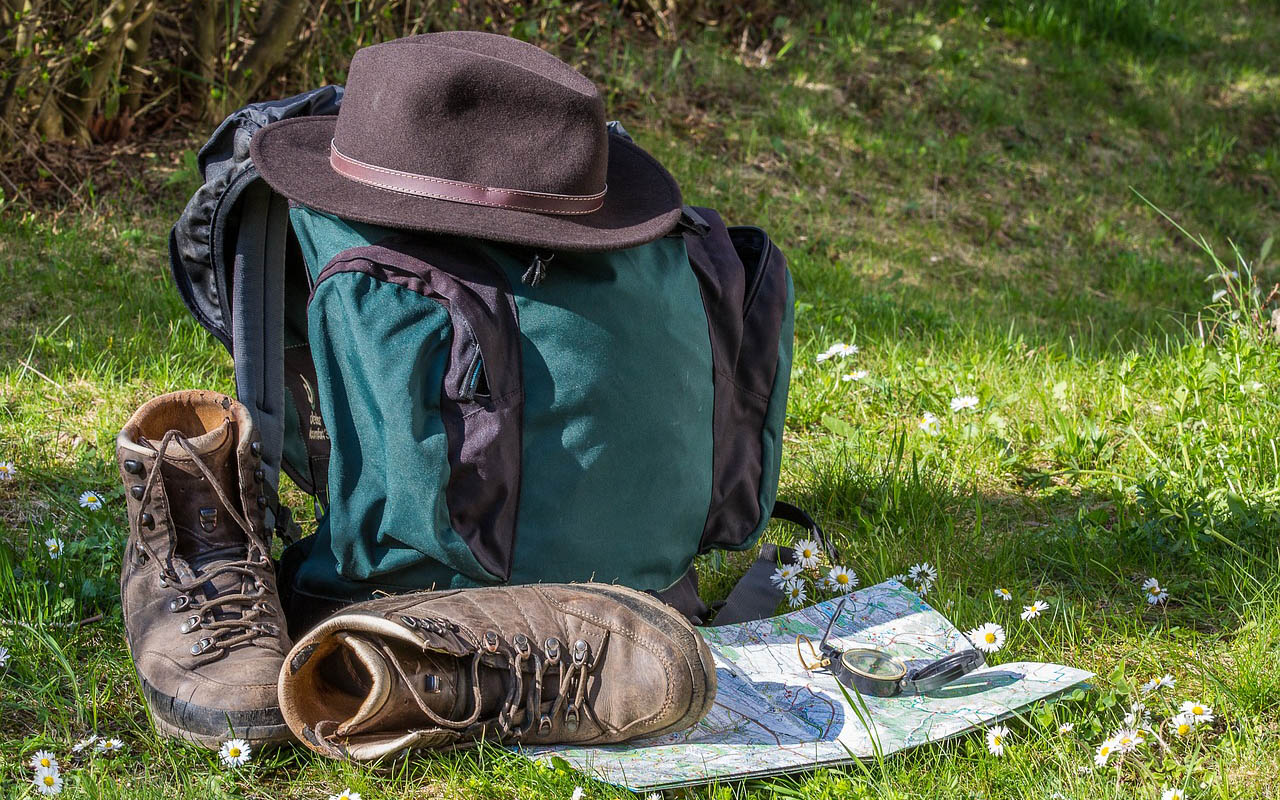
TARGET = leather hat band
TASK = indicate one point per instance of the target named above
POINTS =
(461, 192)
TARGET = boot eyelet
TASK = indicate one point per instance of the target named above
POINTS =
(552, 648)
(133, 467)
(408, 622)
(147, 520)
(521, 642)
(259, 475)
(201, 646)
(491, 642)
(137, 491)
(179, 603)
(571, 719)
(544, 724)
(580, 652)
(256, 449)
(262, 501)
(190, 625)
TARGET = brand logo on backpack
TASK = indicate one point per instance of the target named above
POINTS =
(317, 432)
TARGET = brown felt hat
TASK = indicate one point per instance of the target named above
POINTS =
(472, 134)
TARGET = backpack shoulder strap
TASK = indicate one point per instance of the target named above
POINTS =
(227, 253)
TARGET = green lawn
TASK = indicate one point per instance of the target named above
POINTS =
(956, 186)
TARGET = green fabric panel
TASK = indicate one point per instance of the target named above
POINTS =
(616, 477)
(775, 417)
(381, 351)
(322, 236)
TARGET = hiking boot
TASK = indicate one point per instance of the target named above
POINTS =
(197, 589)
(587, 664)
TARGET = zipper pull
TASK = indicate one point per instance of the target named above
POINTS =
(537, 271)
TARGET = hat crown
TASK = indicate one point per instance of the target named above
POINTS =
(475, 108)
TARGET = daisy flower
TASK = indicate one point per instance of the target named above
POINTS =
(1034, 610)
(964, 402)
(1183, 724)
(856, 375)
(1138, 716)
(1104, 752)
(785, 575)
(1003, 594)
(807, 553)
(796, 595)
(1200, 711)
(84, 744)
(929, 423)
(4, 656)
(995, 739)
(345, 794)
(900, 578)
(988, 637)
(838, 350)
(47, 781)
(110, 747)
(7, 470)
(1172, 794)
(1066, 727)
(1159, 682)
(235, 752)
(54, 545)
(923, 573)
(841, 580)
(577, 793)
(90, 500)
(1154, 593)
(1129, 739)
(43, 759)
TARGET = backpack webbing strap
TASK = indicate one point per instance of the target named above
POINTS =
(258, 331)
(754, 596)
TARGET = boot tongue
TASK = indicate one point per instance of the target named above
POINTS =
(441, 681)
(205, 529)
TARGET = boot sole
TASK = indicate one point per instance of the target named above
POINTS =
(210, 727)
(669, 622)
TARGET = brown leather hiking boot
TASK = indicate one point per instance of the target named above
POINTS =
(198, 591)
(546, 664)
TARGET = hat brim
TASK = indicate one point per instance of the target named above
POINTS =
(642, 203)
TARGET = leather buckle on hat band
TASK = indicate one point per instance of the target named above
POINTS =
(461, 192)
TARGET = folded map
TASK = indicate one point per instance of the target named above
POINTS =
(772, 716)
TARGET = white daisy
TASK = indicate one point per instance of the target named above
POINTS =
(900, 578)
(1200, 711)
(1004, 594)
(1138, 716)
(1183, 724)
(43, 759)
(1172, 794)
(988, 637)
(84, 744)
(929, 423)
(4, 656)
(577, 793)
(841, 580)
(1104, 752)
(785, 575)
(54, 546)
(964, 402)
(110, 747)
(923, 573)
(838, 350)
(796, 595)
(1034, 610)
(91, 500)
(235, 752)
(1066, 727)
(1129, 739)
(1154, 594)
(345, 794)
(996, 737)
(7, 470)
(1159, 682)
(856, 375)
(47, 781)
(807, 553)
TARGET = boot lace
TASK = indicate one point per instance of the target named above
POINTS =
(257, 620)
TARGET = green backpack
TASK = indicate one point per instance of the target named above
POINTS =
(470, 413)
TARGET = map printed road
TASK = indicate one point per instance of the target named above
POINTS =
(771, 716)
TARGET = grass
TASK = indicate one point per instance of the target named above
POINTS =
(956, 186)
